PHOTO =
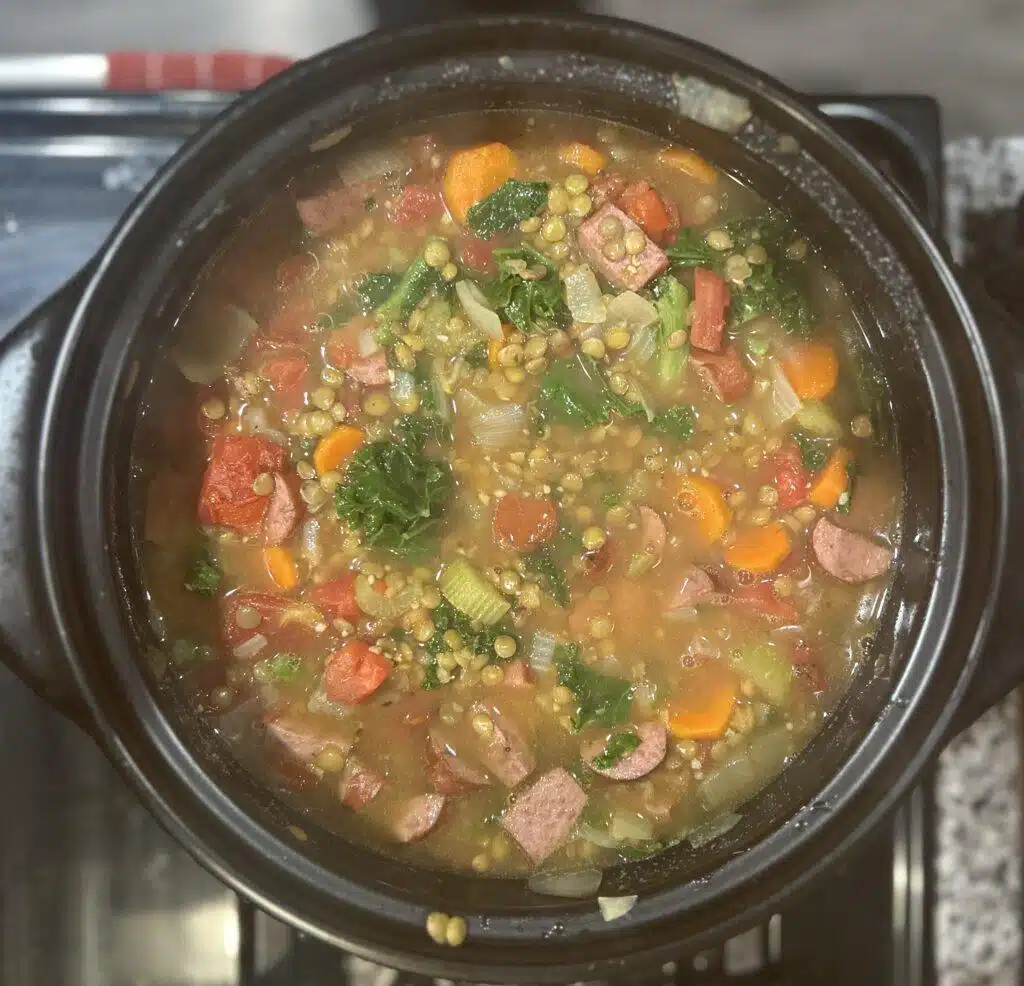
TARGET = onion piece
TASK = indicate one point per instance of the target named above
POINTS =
(309, 542)
(256, 422)
(251, 647)
(543, 650)
(597, 836)
(704, 834)
(368, 344)
(583, 296)
(402, 387)
(373, 163)
(785, 402)
(641, 348)
(209, 338)
(380, 606)
(480, 314)
(578, 884)
(492, 425)
(746, 773)
(632, 311)
(628, 826)
(613, 908)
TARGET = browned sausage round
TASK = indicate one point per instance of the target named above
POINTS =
(283, 510)
(359, 785)
(505, 753)
(694, 587)
(418, 817)
(542, 816)
(846, 555)
(639, 763)
(448, 772)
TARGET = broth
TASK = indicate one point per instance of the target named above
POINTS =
(541, 508)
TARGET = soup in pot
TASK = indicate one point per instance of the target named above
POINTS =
(530, 511)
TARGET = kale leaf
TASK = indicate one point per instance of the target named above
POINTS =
(676, 422)
(531, 302)
(479, 639)
(814, 452)
(394, 493)
(771, 290)
(619, 745)
(691, 250)
(412, 287)
(541, 563)
(846, 497)
(506, 207)
(203, 576)
(602, 699)
(477, 356)
(284, 666)
(573, 392)
(374, 289)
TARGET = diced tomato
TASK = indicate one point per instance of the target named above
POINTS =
(290, 322)
(522, 523)
(295, 269)
(289, 380)
(477, 254)
(724, 372)
(227, 497)
(416, 204)
(354, 673)
(789, 476)
(761, 600)
(518, 674)
(337, 597)
(342, 347)
(648, 210)
(710, 299)
(370, 371)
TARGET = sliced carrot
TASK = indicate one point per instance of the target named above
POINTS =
(354, 673)
(645, 207)
(335, 447)
(759, 549)
(588, 159)
(522, 523)
(703, 707)
(703, 500)
(472, 174)
(833, 481)
(281, 567)
(689, 163)
(812, 368)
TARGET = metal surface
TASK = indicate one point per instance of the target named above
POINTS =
(103, 895)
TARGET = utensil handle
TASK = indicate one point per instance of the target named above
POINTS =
(1001, 667)
(28, 642)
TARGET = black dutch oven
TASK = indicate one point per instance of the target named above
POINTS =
(74, 379)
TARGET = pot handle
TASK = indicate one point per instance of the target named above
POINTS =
(28, 641)
(1001, 667)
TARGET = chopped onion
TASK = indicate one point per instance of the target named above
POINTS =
(210, 338)
(380, 606)
(583, 296)
(492, 424)
(627, 825)
(704, 834)
(256, 422)
(746, 773)
(579, 884)
(543, 650)
(785, 402)
(373, 163)
(309, 542)
(251, 647)
(642, 347)
(480, 314)
(402, 387)
(616, 907)
(632, 311)
(368, 344)
(598, 836)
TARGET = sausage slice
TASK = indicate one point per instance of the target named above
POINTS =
(359, 785)
(449, 773)
(541, 817)
(639, 763)
(304, 736)
(505, 753)
(695, 587)
(846, 555)
(283, 510)
(418, 817)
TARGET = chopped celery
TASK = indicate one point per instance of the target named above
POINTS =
(671, 305)
(818, 419)
(770, 672)
(467, 590)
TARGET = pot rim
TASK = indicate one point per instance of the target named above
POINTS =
(237, 844)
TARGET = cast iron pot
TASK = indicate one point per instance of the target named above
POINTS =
(75, 375)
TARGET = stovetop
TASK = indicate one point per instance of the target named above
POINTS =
(93, 892)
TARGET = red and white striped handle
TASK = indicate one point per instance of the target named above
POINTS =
(139, 71)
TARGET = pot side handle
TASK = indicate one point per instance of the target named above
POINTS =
(1002, 663)
(28, 642)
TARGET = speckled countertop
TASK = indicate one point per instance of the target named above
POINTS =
(978, 871)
